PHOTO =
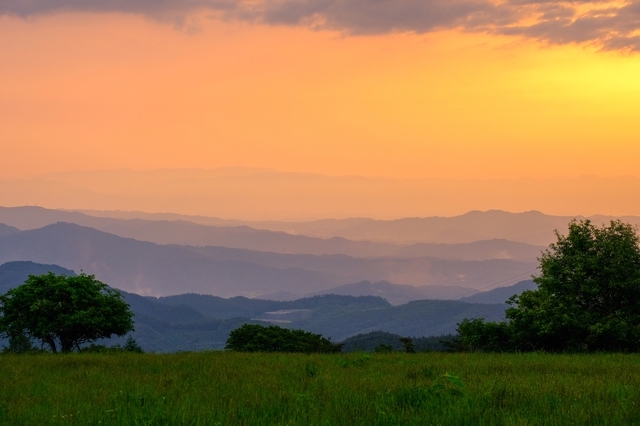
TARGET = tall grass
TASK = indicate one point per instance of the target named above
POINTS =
(222, 388)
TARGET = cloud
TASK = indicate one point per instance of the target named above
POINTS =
(380, 16)
(610, 24)
(27, 8)
(175, 11)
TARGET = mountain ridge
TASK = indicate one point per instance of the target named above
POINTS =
(500, 294)
(201, 322)
(271, 195)
(153, 269)
(398, 294)
(531, 227)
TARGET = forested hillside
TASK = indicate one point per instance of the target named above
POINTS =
(196, 322)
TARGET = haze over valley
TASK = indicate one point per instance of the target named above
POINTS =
(406, 259)
(191, 279)
(194, 322)
(287, 267)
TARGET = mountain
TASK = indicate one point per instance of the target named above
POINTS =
(33, 217)
(148, 307)
(338, 317)
(417, 318)
(13, 274)
(477, 250)
(398, 294)
(531, 227)
(152, 269)
(261, 194)
(493, 230)
(125, 215)
(368, 342)
(217, 307)
(481, 229)
(184, 232)
(6, 230)
(148, 312)
(197, 322)
(147, 268)
(419, 271)
(500, 294)
(189, 233)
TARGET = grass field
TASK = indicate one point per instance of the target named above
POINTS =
(222, 388)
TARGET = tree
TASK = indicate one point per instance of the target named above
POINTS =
(383, 349)
(258, 338)
(64, 312)
(477, 335)
(130, 346)
(407, 343)
(19, 345)
(588, 296)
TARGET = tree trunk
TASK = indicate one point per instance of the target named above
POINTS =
(66, 345)
(52, 344)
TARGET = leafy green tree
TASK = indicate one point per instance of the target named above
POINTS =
(407, 343)
(476, 335)
(132, 346)
(19, 344)
(588, 297)
(258, 338)
(64, 312)
(383, 349)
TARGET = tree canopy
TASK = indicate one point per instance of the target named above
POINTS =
(64, 312)
(258, 338)
(588, 297)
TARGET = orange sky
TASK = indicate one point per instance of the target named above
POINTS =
(106, 91)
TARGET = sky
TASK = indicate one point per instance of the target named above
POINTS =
(453, 89)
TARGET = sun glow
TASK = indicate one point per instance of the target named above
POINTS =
(110, 91)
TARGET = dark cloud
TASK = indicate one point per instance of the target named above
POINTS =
(610, 24)
(380, 16)
(27, 8)
(173, 11)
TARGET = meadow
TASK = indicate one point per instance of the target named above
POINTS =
(227, 388)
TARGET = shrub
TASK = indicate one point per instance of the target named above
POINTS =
(257, 338)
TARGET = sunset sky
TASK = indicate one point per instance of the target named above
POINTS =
(382, 88)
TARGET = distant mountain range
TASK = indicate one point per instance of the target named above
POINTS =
(331, 285)
(500, 294)
(531, 227)
(153, 269)
(6, 230)
(398, 294)
(492, 234)
(13, 274)
(262, 194)
(169, 324)
(188, 233)
(477, 250)
(195, 322)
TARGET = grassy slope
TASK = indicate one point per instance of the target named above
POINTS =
(357, 389)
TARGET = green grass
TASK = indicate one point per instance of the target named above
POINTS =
(289, 389)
